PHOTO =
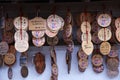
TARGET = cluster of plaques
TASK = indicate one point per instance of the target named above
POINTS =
(87, 44)
(67, 37)
(95, 28)
(8, 34)
(112, 62)
(117, 32)
(38, 26)
(10, 59)
(21, 36)
(104, 34)
(54, 24)
(23, 64)
(97, 61)
(54, 69)
(82, 60)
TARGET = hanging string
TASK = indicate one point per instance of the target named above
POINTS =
(53, 10)
(21, 14)
(86, 19)
(104, 35)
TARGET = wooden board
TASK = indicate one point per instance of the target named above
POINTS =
(37, 23)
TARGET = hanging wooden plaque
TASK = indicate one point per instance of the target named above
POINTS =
(117, 33)
(104, 20)
(52, 41)
(38, 34)
(105, 48)
(54, 22)
(3, 47)
(86, 37)
(117, 23)
(8, 24)
(9, 59)
(37, 23)
(21, 22)
(104, 34)
(21, 45)
(85, 27)
(87, 47)
(24, 71)
(21, 35)
(38, 42)
(50, 33)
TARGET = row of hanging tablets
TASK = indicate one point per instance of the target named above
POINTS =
(51, 27)
(54, 23)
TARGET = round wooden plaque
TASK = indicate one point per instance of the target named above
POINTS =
(85, 27)
(81, 54)
(83, 63)
(38, 42)
(54, 69)
(8, 24)
(86, 37)
(117, 33)
(12, 49)
(98, 69)
(68, 30)
(112, 64)
(8, 36)
(112, 74)
(52, 41)
(24, 71)
(20, 47)
(117, 23)
(97, 60)
(9, 59)
(3, 47)
(104, 20)
(38, 34)
(114, 52)
(54, 22)
(21, 22)
(105, 48)
(21, 35)
(50, 33)
(87, 47)
(104, 34)
(95, 38)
